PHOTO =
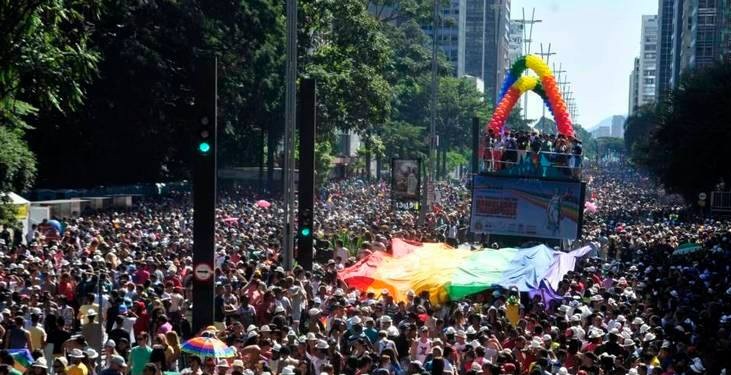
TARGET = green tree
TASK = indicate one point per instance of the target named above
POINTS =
(138, 118)
(638, 130)
(686, 151)
(45, 63)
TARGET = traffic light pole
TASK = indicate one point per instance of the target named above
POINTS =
(290, 108)
(306, 184)
(204, 191)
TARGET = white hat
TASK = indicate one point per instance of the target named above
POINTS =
(632, 371)
(461, 333)
(265, 328)
(644, 328)
(287, 370)
(314, 311)
(576, 318)
(251, 328)
(91, 353)
(386, 319)
(222, 363)
(41, 363)
(697, 365)
(649, 336)
(476, 367)
(311, 336)
(76, 353)
(621, 318)
(563, 371)
(595, 333)
(237, 363)
(322, 344)
(278, 309)
(638, 321)
(471, 330)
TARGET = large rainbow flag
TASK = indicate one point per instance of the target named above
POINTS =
(452, 274)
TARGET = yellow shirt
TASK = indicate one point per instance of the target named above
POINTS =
(79, 369)
(37, 337)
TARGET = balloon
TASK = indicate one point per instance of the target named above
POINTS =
(515, 84)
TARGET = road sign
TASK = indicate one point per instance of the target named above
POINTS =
(702, 196)
(203, 272)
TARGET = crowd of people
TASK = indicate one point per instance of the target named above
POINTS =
(550, 154)
(113, 295)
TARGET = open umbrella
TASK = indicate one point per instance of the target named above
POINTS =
(263, 204)
(208, 347)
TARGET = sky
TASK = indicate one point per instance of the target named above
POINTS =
(595, 42)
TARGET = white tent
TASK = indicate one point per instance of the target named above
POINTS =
(22, 206)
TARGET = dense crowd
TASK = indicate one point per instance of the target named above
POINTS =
(634, 309)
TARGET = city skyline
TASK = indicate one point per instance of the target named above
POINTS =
(597, 50)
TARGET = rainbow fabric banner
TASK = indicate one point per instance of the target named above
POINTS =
(23, 358)
(452, 274)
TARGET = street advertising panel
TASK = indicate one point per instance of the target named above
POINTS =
(527, 207)
(406, 182)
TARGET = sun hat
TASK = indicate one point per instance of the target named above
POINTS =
(40, 363)
(76, 353)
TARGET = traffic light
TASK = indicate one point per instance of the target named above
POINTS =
(204, 136)
(305, 224)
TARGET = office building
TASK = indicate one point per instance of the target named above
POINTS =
(617, 130)
(634, 88)
(485, 37)
(665, 48)
(648, 60)
(701, 35)
(515, 45)
(602, 131)
(448, 33)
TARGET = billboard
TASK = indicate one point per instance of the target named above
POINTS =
(405, 180)
(527, 207)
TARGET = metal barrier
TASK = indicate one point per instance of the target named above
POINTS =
(721, 201)
(526, 162)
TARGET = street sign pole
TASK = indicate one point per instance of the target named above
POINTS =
(204, 191)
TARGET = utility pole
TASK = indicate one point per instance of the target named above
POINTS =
(433, 123)
(289, 130)
(527, 41)
(547, 57)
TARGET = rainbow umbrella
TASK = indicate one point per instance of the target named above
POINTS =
(208, 347)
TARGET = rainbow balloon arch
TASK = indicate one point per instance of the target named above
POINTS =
(516, 84)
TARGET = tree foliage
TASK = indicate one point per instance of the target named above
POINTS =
(685, 150)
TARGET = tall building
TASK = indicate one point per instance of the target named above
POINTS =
(676, 42)
(701, 35)
(448, 33)
(617, 130)
(485, 37)
(665, 46)
(602, 131)
(648, 60)
(515, 45)
(634, 87)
